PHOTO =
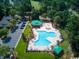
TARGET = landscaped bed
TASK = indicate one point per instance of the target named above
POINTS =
(28, 32)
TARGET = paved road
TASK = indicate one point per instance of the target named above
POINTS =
(15, 37)
(4, 22)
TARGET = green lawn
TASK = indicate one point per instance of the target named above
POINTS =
(36, 5)
(65, 43)
(28, 31)
(22, 54)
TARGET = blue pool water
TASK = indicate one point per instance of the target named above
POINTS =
(42, 38)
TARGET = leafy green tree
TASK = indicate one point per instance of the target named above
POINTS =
(2, 11)
(57, 20)
(3, 32)
(7, 11)
(75, 45)
(35, 14)
(12, 12)
(73, 29)
(61, 6)
(12, 23)
(51, 13)
(25, 6)
(4, 51)
(74, 4)
(70, 23)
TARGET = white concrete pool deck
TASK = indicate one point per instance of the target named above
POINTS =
(54, 40)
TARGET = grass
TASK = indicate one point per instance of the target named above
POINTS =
(22, 54)
(28, 31)
(21, 48)
(36, 5)
(65, 43)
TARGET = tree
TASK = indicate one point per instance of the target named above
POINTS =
(74, 4)
(75, 45)
(64, 16)
(2, 11)
(51, 13)
(57, 20)
(35, 14)
(7, 11)
(4, 51)
(73, 29)
(70, 23)
(12, 12)
(3, 32)
(25, 6)
(12, 23)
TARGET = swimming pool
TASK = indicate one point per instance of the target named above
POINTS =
(42, 38)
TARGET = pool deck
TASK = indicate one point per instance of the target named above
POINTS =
(54, 40)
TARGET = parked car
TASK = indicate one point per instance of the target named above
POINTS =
(19, 22)
(24, 22)
(22, 26)
(14, 29)
(23, 19)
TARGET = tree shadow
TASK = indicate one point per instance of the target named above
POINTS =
(6, 40)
